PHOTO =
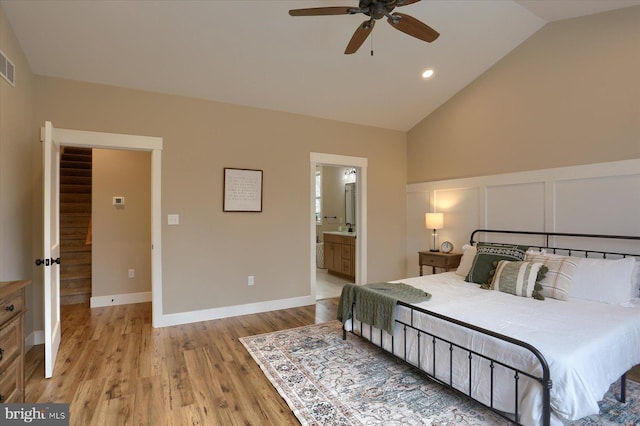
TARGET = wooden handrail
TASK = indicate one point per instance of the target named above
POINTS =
(88, 241)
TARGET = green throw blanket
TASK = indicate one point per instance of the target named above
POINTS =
(375, 303)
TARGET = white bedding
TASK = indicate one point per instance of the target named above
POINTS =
(588, 345)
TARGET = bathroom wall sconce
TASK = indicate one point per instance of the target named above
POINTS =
(350, 175)
(434, 221)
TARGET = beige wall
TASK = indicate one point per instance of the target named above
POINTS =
(17, 136)
(121, 234)
(208, 257)
(568, 95)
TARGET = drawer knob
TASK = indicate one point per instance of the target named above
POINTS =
(9, 308)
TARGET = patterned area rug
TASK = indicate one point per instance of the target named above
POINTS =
(330, 381)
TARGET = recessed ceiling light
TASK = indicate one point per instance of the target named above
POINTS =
(428, 73)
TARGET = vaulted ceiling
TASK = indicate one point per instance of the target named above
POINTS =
(251, 52)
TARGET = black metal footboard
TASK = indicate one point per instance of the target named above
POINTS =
(544, 379)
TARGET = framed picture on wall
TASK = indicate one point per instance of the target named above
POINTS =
(242, 190)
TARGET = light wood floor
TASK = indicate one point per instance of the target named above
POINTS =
(115, 369)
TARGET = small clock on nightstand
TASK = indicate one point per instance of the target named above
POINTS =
(446, 247)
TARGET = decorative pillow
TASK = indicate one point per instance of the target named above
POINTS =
(557, 282)
(468, 253)
(487, 253)
(604, 280)
(518, 278)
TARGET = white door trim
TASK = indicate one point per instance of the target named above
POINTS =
(360, 163)
(87, 139)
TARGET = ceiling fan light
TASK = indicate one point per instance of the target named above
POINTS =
(427, 73)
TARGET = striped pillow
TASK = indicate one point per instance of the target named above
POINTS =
(557, 282)
(518, 278)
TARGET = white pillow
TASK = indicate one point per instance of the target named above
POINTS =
(603, 280)
(468, 254)
(635, 281)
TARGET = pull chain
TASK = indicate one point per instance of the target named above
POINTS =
(371, 44)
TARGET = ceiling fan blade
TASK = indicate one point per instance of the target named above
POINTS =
(359, 36)
(410, 25)
(320, 11)
(406, 2)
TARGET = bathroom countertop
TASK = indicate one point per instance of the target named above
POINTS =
(345, 233)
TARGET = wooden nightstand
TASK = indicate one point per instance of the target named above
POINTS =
(437, 259)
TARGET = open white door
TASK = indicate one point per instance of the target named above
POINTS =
(51, 261)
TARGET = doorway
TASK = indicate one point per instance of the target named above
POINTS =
(336, 229)
(53, 139)
(339, 164)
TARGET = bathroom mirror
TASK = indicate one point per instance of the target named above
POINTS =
(350, 203)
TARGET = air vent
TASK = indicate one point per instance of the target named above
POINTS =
(7, 69)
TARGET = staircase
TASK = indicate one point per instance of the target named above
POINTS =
(75, 225)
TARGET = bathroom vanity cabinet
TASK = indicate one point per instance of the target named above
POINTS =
(340, 254)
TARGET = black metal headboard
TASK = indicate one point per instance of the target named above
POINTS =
(549, 241)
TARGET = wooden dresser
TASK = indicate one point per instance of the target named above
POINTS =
(12, 309)
(340, 254)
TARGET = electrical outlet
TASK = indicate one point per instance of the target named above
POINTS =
(132, 273)
(250, 280)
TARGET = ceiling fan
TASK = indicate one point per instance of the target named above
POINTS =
(375, 9)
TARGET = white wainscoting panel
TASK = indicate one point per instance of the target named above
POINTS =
(516, 206)
(602, 198)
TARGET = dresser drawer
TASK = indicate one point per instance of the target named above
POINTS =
(11, 383)
(10, 341)
(11, 306)
(436, 260)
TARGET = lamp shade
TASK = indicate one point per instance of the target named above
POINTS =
(434, 220)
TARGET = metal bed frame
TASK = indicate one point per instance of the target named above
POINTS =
(544, 379)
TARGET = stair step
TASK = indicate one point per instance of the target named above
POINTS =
(74, 165)
(68, 188)
(75, 258)
(75, 299)
(74, 291)
(75, 246)
(70, 272)
(83, 158)
(75, 198)
(75, 208)
(76, 233)
(75, 172)
(70, 220)
(77, 150)
(75, 283)
(74, 180)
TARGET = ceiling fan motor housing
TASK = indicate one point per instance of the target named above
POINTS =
(377, 9)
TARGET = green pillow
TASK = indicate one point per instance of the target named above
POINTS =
(518, 278)
(487, 254)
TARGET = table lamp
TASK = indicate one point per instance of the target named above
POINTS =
(434, 221)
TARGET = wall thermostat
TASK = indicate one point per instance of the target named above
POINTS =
(118, 200)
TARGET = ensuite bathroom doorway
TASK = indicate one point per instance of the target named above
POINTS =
(336, 229)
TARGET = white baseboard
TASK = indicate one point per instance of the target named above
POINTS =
(34, 338)
(120, 299)
(168, 320)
